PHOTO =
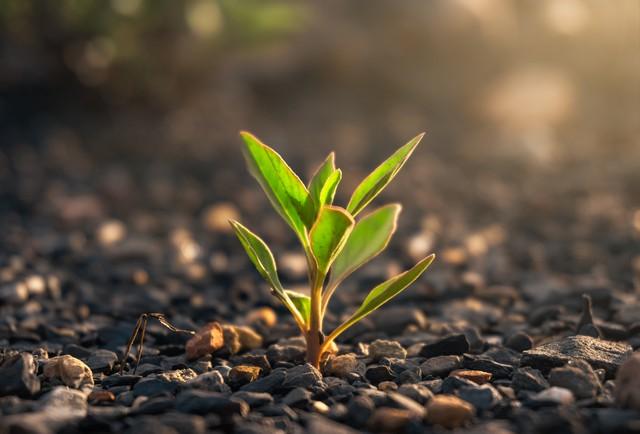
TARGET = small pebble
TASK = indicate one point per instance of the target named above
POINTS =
(207, 340)
(449, 411)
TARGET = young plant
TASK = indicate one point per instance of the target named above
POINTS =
(335, 244)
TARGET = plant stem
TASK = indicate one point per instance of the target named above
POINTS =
(314, 335)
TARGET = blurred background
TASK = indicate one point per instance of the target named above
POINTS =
(121, 117)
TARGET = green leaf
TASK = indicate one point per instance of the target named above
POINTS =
(328, 191)
(302, 303)
(369, 237)
(283, 187)
(263, 260)
(329, 234)
(383, 293)
(377, 180)
(319, 179)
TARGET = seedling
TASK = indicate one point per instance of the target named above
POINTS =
(334, 243)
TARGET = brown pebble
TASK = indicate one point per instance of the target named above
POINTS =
(392, 420)
(98, 396)
(263, 315)
(208, 339)
(478, 377)
(449, 411)
(341, 366)
(387, 386)
(243, 374)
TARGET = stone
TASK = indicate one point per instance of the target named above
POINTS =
(264, 316)
(64, 400)
(120, 380)
(211, 381)
(388, 386)
(382, 348)
(359, 410)
(390, 420)
(249, 339)
(254, 399)
(203, 402)
(102, 360)
(148, 425)
(627, 384)
(481, 363)
(478, 377)
(343, 365)
(154, 405)
(417, 392)
(279, 411)
(207, 340)
(184, 423)
(166, 382)
(70, 371)
(152, 386)
(451, 345)
(297, 397)
(379, 373)
(502, 355)
(578, 377)
(268, 384)
(449, 411)
(285, 353)
(259, 360)
(242, 374)
(99, 396)
(178, 376)
(316, 424)
(18, 376)
(519, 341)
(55, 411)
(553, 396)
(452, 383)
(483, 397)
(231, 339)
(440, 366)
(397, 400)
(527, 378)
(599, 353)
(302, 376)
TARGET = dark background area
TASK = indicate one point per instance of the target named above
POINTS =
(130, 110)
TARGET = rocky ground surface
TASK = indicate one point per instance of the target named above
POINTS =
(527, 324)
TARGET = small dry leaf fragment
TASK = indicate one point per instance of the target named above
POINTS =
(207, 340)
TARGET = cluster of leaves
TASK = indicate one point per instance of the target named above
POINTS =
(335, 243)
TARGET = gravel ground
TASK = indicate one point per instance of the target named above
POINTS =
(519, 326)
